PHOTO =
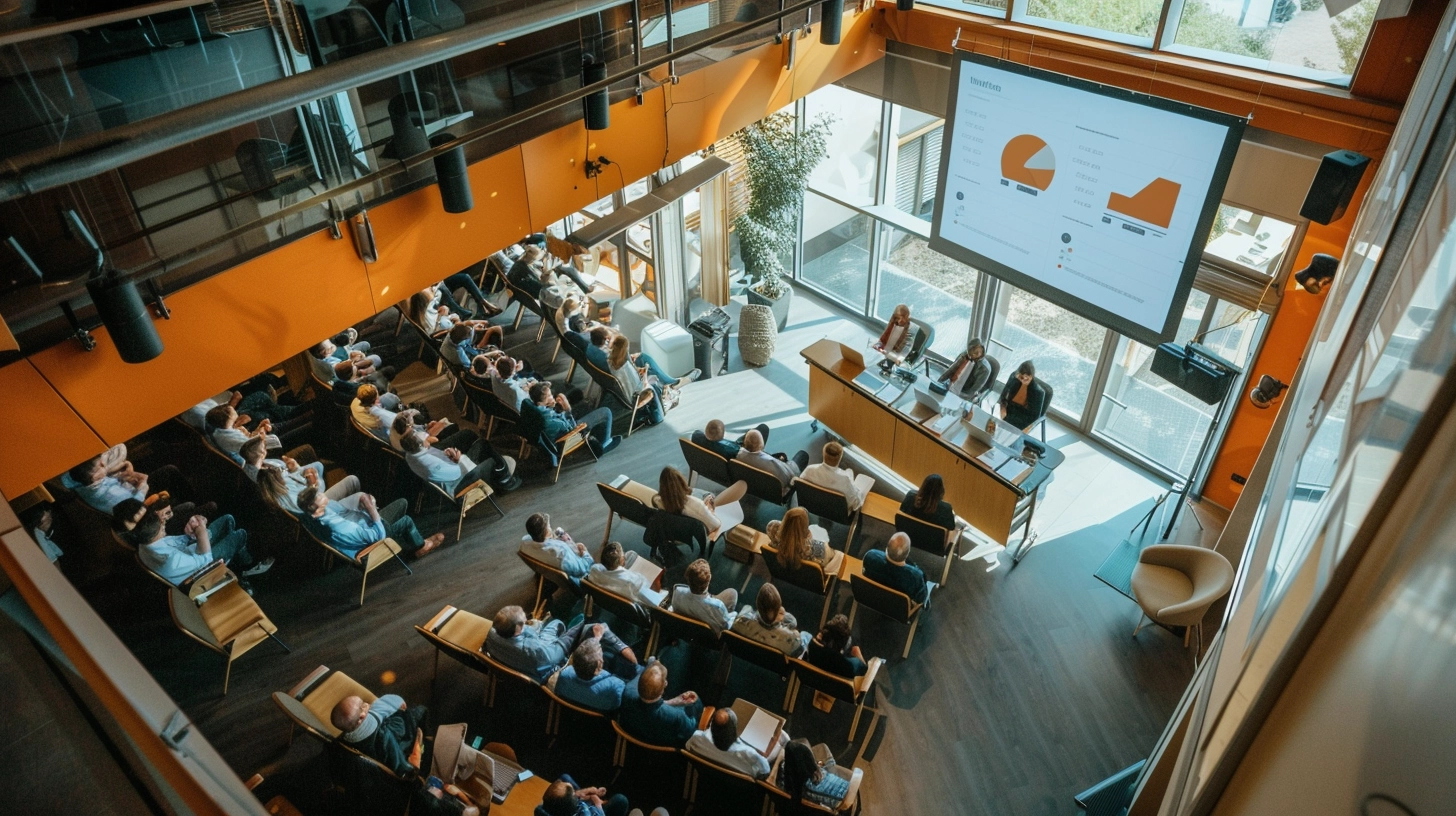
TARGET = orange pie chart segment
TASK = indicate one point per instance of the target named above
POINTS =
(1028, 160)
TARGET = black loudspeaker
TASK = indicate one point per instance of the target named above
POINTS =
(596, 107)
(1195, 370)
(1333, 186)
(127, 319)
(905, 5)
(832, 12)
(451, 175)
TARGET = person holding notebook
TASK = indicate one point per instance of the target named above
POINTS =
(721, 743)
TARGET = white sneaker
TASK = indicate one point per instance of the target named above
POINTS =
(690, 376)
(259, 568)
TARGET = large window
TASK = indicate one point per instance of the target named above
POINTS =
(837, 250)
(940, 289)
(1247, 241)
(850, 171)
(1063, 347)
(1130, 21)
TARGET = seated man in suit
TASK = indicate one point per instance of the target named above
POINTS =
(454, 471)
(614, 574)
(720, 744)
(539, 648)
(351, 530)
(648, 717)
(555, 547)
(694, 600)
(713, 437)
(970, 371)
(550, 416)
(383, 730)
(176, 557)
(586, 683)
(888, 567)
(524, 274)
(829, 475)
(779, 465)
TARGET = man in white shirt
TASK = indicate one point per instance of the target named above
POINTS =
(176, 557)
(720, 744)
(829, 475)
(614, 574)
(555, 547)
(453, 470)
(694, 600)
(228, 431)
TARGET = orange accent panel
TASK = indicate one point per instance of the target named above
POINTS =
(29, 406)
(817, 65)
(1395, 50)
(419, 243)
(636, 143)
(721, 99)
(223, 331)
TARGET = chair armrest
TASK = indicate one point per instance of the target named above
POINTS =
(202, 597)
(201, 575)
(480, 483)
(306, 685)
(581, 426)
(441, 618)
(864, 681)
(382, 549)
(855, 778)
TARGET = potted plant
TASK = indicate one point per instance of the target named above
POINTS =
(779, 159)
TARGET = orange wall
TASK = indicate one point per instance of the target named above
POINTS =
(249, 318)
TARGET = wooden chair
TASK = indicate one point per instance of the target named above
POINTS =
(628, 610)
(761, 483)
(735, 786)
(490, 406)
(591, 724)
(546, 573)
(891, 603)
(567, 444)
(213, 609)
(465, 499)
(667, 530)
(765, 657)
(703, 462)
(628, 506)
(613, 391)
(368, 442)
(459, 635)
(669, 625)
(660, 758)
(526, 301)
(808, 575)
(827, 504)
(785, 805)
(498, 672)
(931, 538)
(852, 690)
(575, 352)
(366, 560)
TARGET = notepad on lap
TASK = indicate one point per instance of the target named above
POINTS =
(762, 731)
(649, 572)
(731, 515)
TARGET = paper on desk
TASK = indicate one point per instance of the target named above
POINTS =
(940, 423)
(818, 533)
(731, 515)
(1014, 470)
(761, 732)
(994, 457)
(1008, 436)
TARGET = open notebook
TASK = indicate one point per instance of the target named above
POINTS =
(762, 731)
(649, 572)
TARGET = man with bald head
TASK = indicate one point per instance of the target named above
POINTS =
(779, 465)
(382, 730)
(888, 567)
(719, 743)
(648, 717)
(714, 438)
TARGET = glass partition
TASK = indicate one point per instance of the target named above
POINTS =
(1063, 347)
(837, 250)
(940, 289)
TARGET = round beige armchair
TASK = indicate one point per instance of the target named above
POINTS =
(1175, 585)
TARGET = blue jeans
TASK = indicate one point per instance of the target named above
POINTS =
(229, 543)
(615, 805)
(656, 370)
(462, 280)
(600, 418)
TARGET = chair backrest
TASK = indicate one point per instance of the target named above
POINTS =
(670, 529)
(610, 385)
(891, 603)
(524, 298)
(459, 635)
(188, 617)
(923, 535)
(805, 575)
(756, 653)
(494, 666)
(995, 366)
(681, 627)
(329, 545)
(705, 462)
(1047, 404)
(823, 502)
(486, 401)
(729, 778)
(310, 703)
(840, 688)
(663, 751)
(555, 575)
(626, 505)
(626, 609)
(761, 483)
(924, 336)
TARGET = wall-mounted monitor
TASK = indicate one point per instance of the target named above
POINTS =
(1095, 198)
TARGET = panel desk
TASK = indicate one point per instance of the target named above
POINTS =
(891, 431)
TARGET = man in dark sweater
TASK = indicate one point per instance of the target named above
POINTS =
(383, 730)
(648, 717)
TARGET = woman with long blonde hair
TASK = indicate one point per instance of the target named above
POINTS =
(630, 377)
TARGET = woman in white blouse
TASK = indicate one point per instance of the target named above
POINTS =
(674, 496)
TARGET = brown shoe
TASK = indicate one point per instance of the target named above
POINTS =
(431, 544)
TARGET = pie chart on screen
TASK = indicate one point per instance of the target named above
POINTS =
(1027, 160)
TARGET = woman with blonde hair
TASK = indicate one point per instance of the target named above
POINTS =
(630, 377)
(675, 496)
(796, 543)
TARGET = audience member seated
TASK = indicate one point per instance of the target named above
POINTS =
(466, 341)
(599, 341)
(550, 417)
(454, 471)
(539, 648)
(525, 274)
(127, 512)
(578, 331)
(779, 465)
(200, 543)
(383, 731)
(770, 624)
(614, 573)
(568, 270)
(39, 521)
(228, 431)
(801, 775)
(586, 683)
(426, 310)
(828, 474)
(895, 342)
(674, 496)
(571, 307)
(630, 378)
(648, 717)
(351, 529)
(888, 567)
(797, 544)
(463, 280)
(712, 438)
(101, 485)
(283, 488)
(1023, 400)
(694, 600)
(969, 373)
(259, 403)
(407, 422)
(928, 503)
(374, 411)
(832, 651)
(564, 798)
(508, 385)
(326, 356)
(555, 547)
(254, 454)
(720, 744)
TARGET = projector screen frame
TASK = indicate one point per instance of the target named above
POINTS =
(1218, 181)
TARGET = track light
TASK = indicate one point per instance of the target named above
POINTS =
(1267, 392)
(596, 107)
(1319, 274)
(126, 318)
(831, 13)
(450, 174)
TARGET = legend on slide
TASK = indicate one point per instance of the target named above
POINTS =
(1028, 160)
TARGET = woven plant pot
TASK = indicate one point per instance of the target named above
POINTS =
(757, 335)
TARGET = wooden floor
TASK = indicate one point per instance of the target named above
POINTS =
(1024, 686)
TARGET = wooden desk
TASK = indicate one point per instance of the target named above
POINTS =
(523, 798)
(897, 439)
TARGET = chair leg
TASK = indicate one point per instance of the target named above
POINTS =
(227, 675)
(1139, 626)
(854, 723)
(460, 525)
(520, 313)
(853, 608)
(555, 352)
(363, 582)
(607, 536)
(541, 330)
(793, 693)
(540, 588)
(403, 564)
(276, 640)
(910, 638)
(945, 570)
(497, 507)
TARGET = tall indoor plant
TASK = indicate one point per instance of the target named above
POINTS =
(779, 158)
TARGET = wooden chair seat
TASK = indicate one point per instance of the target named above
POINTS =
(214, 610)
(850, 690)
(891, 603)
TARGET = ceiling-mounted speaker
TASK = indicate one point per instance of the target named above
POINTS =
(126, 318)
(596, 106)
(905, 5)
(452, 176)
(831, 13)
(1333, 186)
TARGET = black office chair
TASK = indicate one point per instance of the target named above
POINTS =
(761, 483)
(829, 505)
(624, 506)
(924, 337)
(703, 462)
(891, 603)
(1041, 421)
(667, 530)
(995, 366)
